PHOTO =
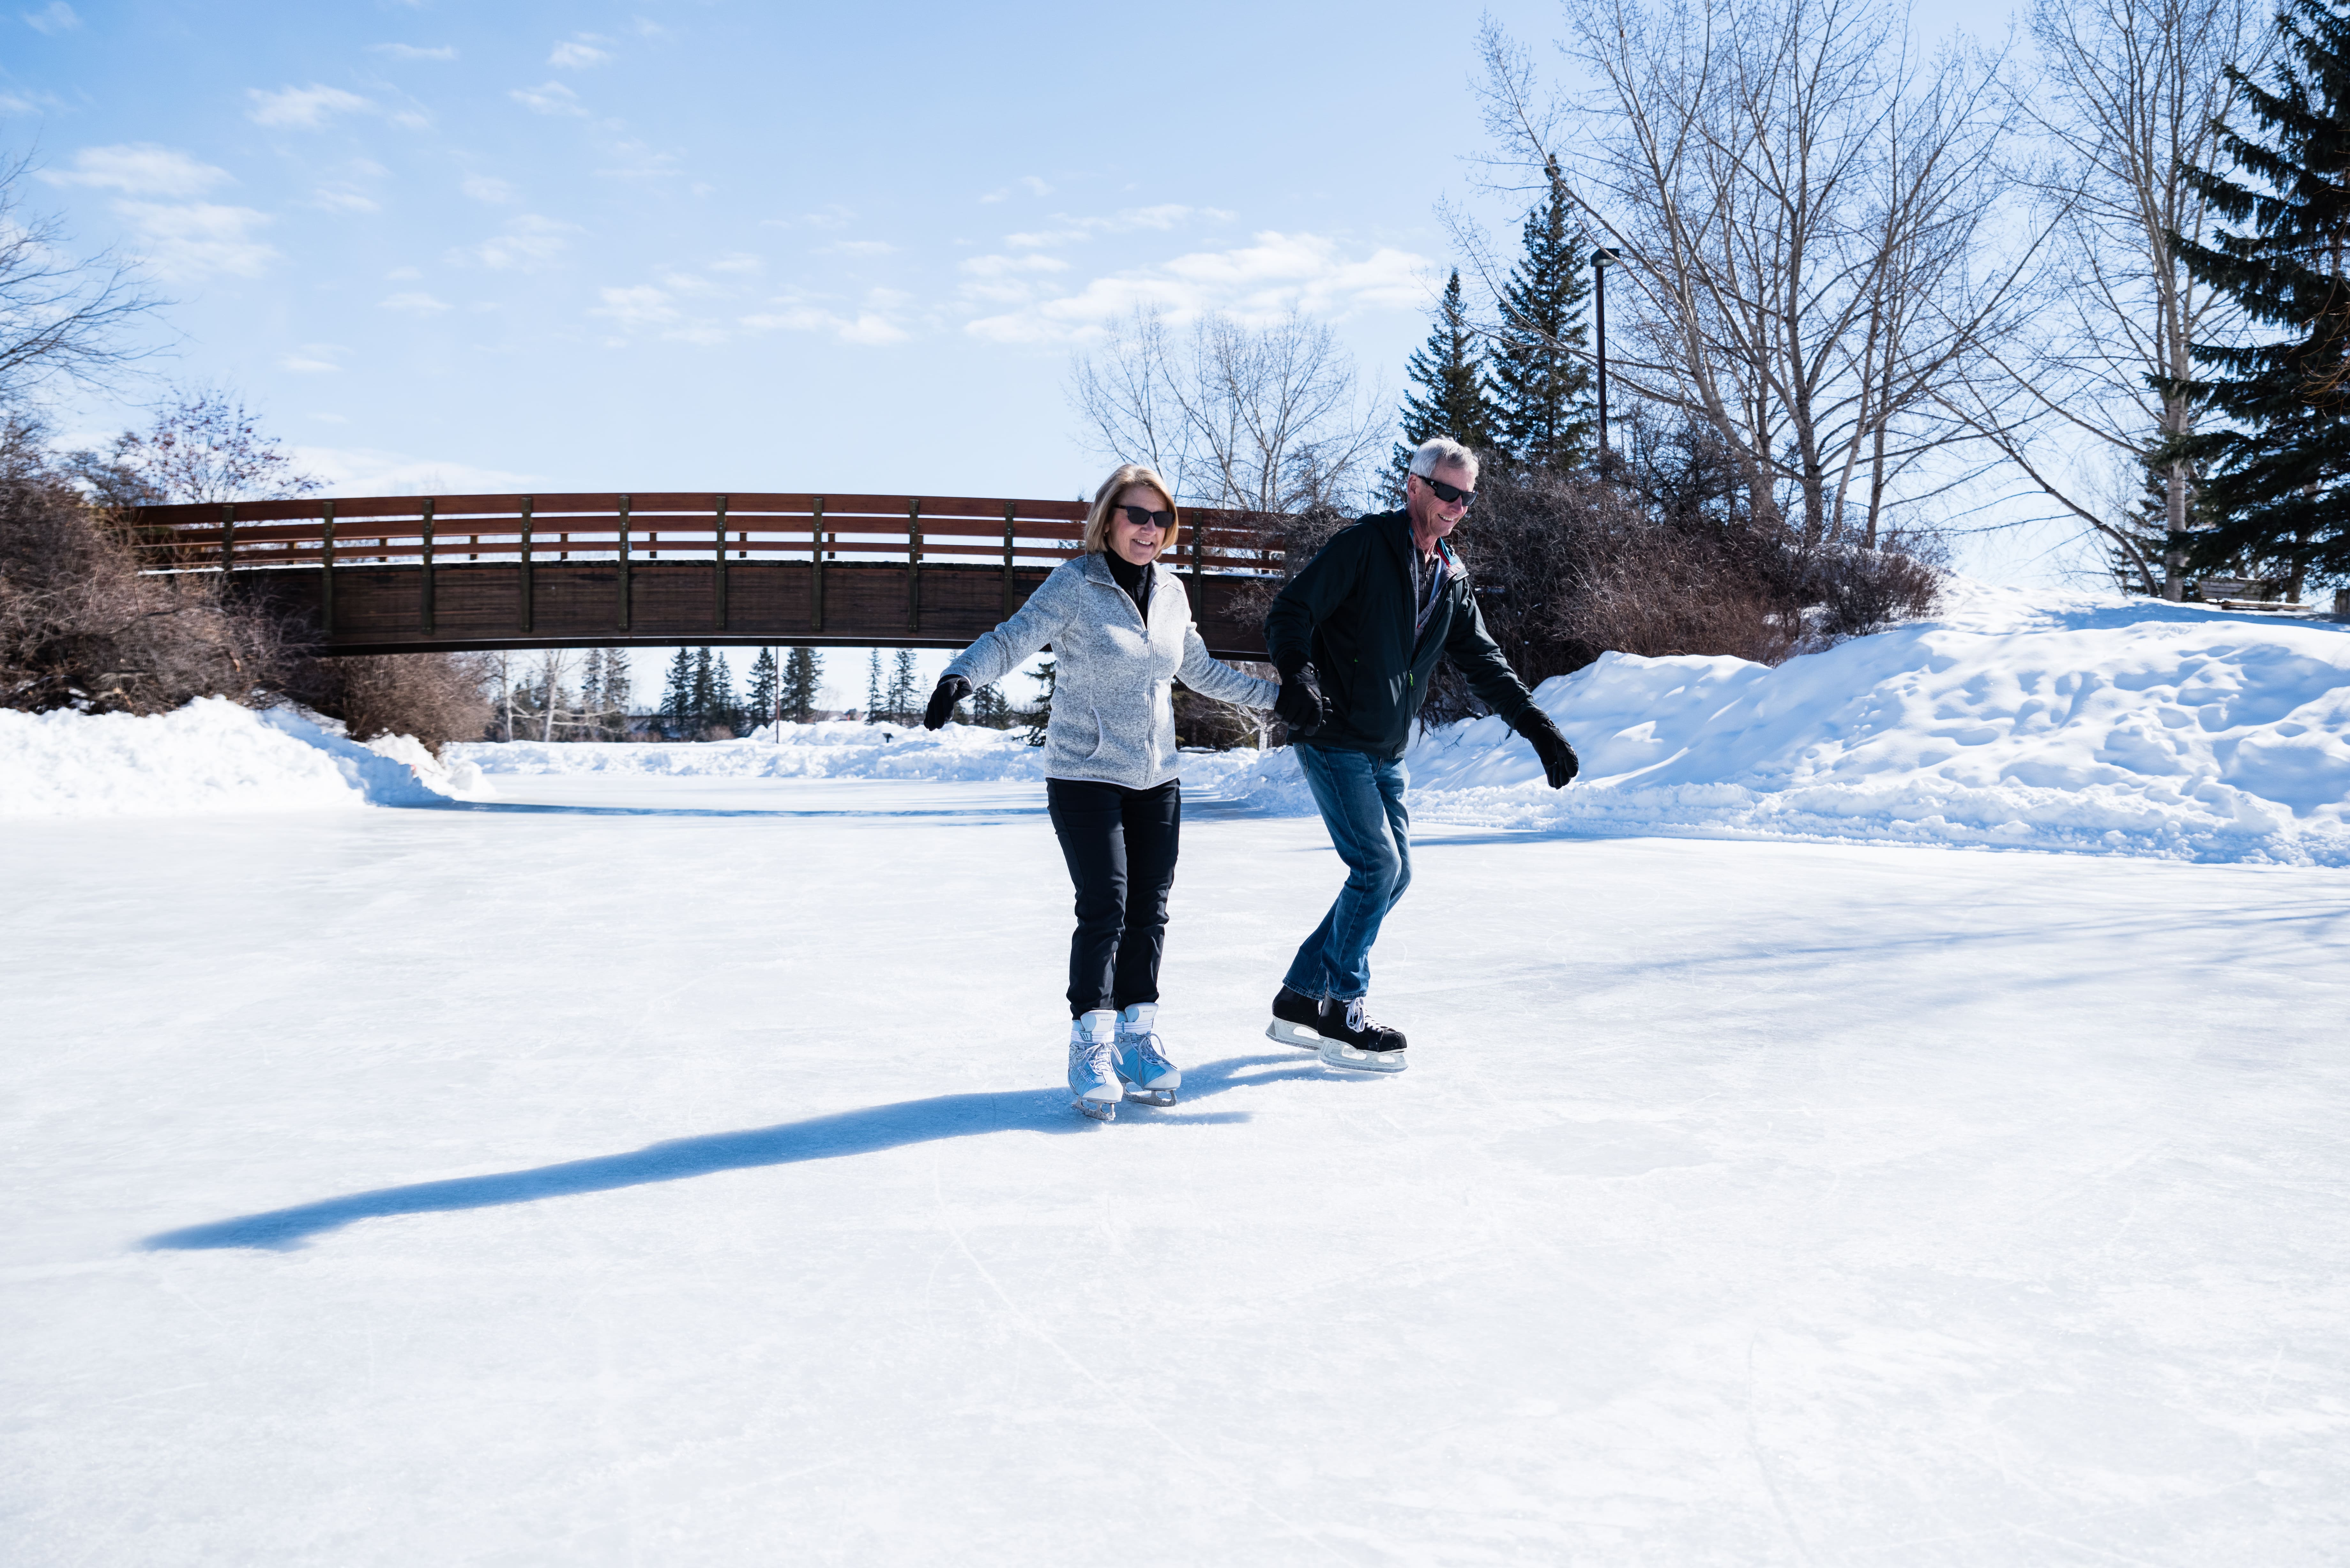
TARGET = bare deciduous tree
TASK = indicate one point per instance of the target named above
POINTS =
(2133, 93)
(60, 317)
(1797, 202)
(1264, 419)
(204, 444)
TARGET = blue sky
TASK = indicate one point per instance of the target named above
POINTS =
(734, 247)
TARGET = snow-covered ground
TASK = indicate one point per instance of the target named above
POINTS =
(669, 1171)
(662, 1158)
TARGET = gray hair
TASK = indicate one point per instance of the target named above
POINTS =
(1441, 452)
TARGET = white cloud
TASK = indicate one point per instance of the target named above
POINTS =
(577, 54)
(18, 103)
(549, 98)
(199, 239)
(833, 217)
(343, 199)
(529, 243)
(482, 187)
(365, 470)
(414, 303)
(139, 168)
(737, 261)
(867, 326)
(414, 52)
(641, 307)
(402, 274)
(53, 19)
(1028, 183)
(315, 359)
(1162, 217)
(857, 248)
(1272, 276)
(308, 107)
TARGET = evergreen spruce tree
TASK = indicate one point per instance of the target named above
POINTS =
(1048, 676)
(766, 689)
(874, 712)
(676, 697)
(803, 678)
(989, 708)
(1541, 370)
(2276, 484)
(1455, 399)
(705, 694)
(725, 701)
(903, 698)
(616, 681)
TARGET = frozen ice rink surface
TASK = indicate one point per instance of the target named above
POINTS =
(677, 1171)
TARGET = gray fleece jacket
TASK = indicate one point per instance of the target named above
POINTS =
(1113, 708)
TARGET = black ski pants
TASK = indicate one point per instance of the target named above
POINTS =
(1121, 846)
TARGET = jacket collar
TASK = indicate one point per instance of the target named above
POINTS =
(1398, 537)
(1096, 570)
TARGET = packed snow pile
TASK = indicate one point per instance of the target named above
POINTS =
(832, 750)
(2089, 723)
(211, 756)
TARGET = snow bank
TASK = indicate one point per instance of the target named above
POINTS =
(2091, 722)
(959, 752)
(210, 756)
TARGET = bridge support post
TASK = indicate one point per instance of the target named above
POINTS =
(815, 573)
(428, 565)
(522, 587)
(228, 539)
(625, 601)
(914, 564)
(719, 567)
(1009, 508)
(327, 570)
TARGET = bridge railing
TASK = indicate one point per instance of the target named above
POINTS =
(718, 528)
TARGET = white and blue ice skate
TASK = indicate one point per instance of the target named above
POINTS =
(1149, 1077)
(1093, 1064)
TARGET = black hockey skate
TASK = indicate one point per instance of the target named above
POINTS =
(1297, 1020)
(1350, 1040)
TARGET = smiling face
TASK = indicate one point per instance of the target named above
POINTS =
(1138, 543)
(1431, 517)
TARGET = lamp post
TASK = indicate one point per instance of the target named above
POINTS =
(1599, 260)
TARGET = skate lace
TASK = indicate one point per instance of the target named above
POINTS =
(1147, 1047)
(1096, 1057)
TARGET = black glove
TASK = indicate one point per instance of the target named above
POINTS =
(952, 690)
(1300, 706)
(1559, 759)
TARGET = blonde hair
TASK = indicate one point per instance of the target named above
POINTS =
(1098, 519)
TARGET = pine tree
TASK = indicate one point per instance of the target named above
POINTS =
(1542, 374)
(903, 697)
(725, 702)
(873, 708)
(616, 693)
(1048, 676)
(2276, 485)
(802, 678)
(989, 708)
(1456, 399)
(766, 689)
(676, 697)
(705, 694)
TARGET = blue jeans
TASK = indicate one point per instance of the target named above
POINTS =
(1361, 797)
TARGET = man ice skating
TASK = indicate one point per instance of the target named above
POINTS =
(1372, 613)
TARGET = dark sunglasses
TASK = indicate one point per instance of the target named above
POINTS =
(1448, 493)
(1143, 517)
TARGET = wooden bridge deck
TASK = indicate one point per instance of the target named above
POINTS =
(417, 574)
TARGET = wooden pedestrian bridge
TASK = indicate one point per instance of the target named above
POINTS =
(421, 574)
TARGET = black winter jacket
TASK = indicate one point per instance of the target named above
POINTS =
(1350, 612)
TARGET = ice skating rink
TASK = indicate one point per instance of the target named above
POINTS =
(677, 1171)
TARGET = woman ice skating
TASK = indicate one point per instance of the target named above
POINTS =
(1121, 629)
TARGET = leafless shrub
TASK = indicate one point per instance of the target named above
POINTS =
(81, 627)
(438, 697)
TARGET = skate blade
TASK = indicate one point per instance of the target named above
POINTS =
(1150, 1096)
(1336, 1054)
(1295, 1035)
(1096, 1110)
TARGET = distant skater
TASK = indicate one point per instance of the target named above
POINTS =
(1121, 629)
(1372, 613)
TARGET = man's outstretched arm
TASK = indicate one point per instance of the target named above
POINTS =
(1473, 653)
